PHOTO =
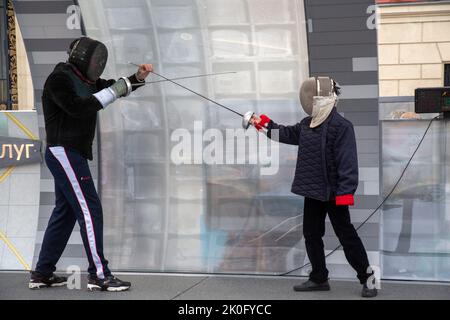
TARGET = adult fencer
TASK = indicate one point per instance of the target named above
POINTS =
(72, 96)
(327, 176)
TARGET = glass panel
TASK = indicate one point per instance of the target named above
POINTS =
(416, 219)
(199, 217)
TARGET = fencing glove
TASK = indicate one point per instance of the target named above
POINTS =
(121, 88)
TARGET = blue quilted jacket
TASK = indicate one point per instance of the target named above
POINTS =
(327, 163)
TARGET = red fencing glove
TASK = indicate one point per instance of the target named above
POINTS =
(264, 120)
(345, 200)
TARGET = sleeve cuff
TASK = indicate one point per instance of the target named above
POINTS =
(270, 125)
(105, 97)
(135, 82)
(345, 200)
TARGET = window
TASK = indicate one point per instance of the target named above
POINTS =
(4, 65)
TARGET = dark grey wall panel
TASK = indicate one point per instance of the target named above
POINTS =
(340, 24)
(368, 160)
(343, 47)
(363, 118)
(329, 65)
(357, 105)
(35, 7)
(336, 10)
(342, 37)
(42, 68)
(334, 51)
(334, 2)
(71, 250)
(370, 243)
(40, 21)
(36, 45)
(347, 77)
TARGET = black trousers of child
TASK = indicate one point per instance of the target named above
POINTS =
(315, 212)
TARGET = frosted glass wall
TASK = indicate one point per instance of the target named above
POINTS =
(415, 224)
(160, 216)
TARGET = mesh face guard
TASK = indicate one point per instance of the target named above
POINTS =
(316, 87)
(89, 56)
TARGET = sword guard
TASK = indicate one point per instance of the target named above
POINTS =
(246, 119)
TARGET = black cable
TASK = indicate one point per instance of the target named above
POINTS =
(190, 288)
(381, 204)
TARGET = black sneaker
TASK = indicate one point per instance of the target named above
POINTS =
(38, 281)
(110, 283)
(368, 293)
(312, 286)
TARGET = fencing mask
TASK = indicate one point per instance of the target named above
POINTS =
(89, 56)
(318, 97)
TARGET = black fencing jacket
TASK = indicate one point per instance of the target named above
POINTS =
(70, 109)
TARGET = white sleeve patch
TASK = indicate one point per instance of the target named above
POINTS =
(105, 97)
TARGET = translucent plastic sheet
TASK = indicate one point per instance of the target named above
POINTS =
(202, 217)
(415, 241)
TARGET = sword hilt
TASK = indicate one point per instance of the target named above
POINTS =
(246, 119)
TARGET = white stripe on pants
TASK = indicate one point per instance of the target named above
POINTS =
(61, 156)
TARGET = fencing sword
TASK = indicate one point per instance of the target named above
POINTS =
(187, 77)
(245, 117)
